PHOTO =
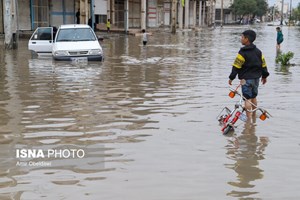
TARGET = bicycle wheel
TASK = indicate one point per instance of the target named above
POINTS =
(227, 129)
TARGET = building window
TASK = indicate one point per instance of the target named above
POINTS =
(40, 13)
(100, 19)
(134, 13)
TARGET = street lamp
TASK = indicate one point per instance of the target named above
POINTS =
(222, 13)
(290, 10)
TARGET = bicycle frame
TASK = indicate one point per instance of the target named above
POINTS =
(229, 119)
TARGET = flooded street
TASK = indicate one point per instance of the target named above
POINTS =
(146, 118)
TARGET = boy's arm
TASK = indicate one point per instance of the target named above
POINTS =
(238, 63)
(265, 72)
(233, 74)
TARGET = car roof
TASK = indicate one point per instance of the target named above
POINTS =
(67, 26)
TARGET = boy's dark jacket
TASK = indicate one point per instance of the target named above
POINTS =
(249, 64)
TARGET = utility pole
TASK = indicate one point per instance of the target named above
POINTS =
(222, 13)
(180, 15)
(143, 14)
(281, 21)
(8, 19)
(126, 24)
(174, 6)
(273, 14)
(290, 12)
(92, 6)
(11, 24)
(186, 14)
(211, 14)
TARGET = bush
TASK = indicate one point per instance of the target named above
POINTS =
(284, 58)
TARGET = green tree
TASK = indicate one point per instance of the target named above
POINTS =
(250, 7)
(296, 13)
(261, 8)
(244, 7)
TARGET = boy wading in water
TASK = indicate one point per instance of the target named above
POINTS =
(249, 65)
(279, 38)
(145, 37)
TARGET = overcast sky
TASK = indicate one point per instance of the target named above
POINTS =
(294, 2)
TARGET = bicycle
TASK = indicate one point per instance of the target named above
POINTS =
(228, 120)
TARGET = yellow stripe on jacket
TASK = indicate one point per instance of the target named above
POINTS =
(239, 61)
(264, 64)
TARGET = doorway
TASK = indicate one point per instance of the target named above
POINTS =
(134, 13)
(119, 13)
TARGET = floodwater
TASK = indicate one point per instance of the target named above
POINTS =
(146, 119)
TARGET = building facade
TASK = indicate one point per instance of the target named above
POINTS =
(228, 16)
(123, 14)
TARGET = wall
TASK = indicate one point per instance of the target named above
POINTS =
(24, 14)
(100, 7)
(134, 14)
(152, 13)
(226, 4)
(69, 12)
(191, 13)
(167, 14)
(62, 12)
(56, 17)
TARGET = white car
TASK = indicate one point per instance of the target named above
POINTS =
(69, 42)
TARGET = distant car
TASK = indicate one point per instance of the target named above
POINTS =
(69, 42)
(257, 20)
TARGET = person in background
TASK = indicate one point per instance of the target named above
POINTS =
(108, 25)
(78, 16)
(279, 38)
(145, 37)
(90, 22)
(54, 32)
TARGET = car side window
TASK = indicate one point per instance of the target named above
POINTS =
(43, 34)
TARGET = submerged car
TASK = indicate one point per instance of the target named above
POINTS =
(69, 42)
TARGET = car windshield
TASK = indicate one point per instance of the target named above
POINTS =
(75, 34)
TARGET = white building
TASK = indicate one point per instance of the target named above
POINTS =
(228, 17)
(286, 7)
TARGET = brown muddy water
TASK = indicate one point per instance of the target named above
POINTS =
(146, 119)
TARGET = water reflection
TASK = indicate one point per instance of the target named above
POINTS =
(246, 151)
(47, 105)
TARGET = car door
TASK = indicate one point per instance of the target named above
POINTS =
(41, 40)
